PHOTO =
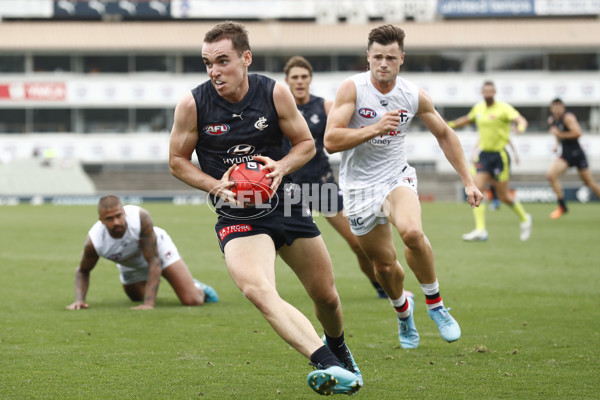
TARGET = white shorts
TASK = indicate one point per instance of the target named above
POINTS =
(167, 253)
(370, 203)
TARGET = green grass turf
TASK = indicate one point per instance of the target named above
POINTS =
(528, 313)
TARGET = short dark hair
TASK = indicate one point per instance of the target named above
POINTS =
(558, 100)
(109, 201)
(489, 83)
(231, 30)
(298, 61)
(387, 34)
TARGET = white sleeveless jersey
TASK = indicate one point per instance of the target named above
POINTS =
(377, 162)
(126, 250)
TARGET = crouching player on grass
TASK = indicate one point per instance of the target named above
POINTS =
(143, 253)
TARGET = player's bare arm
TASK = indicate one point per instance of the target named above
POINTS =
(294, 127)
(182, 144)
(450, 144)
(149, 249)
(338, 137)
(89, 258)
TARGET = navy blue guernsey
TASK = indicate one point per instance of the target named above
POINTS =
(232, 133)
(568, 145)
(314, 114)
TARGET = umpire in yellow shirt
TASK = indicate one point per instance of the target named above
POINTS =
(494, 120)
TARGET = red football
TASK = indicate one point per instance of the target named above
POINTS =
(251, 183)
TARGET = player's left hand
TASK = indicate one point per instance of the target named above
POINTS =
(474, 196)
(276, 173)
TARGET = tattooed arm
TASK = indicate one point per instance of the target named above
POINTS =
(149, 248)
(89, 258)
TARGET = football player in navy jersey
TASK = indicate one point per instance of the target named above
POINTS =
(237, 117)
(565, 128)
(317, 176)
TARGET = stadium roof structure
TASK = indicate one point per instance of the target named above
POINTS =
(187, 36)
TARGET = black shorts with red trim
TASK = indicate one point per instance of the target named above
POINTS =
(283, 225)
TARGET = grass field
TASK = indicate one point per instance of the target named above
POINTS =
(528, 313)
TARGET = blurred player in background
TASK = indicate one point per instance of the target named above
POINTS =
(565, 128)
(494, 119)
(237, 116)
(368, 124)
(317, 172)
(143, 252)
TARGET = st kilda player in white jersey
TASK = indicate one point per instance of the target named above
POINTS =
(368, 124)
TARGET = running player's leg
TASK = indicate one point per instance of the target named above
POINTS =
(378, 244)
(556, 169)
(588, 180)
(340, 224)
(405, 215)
(251, 263)
(310, 261)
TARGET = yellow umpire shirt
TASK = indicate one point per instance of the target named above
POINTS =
(493, 124)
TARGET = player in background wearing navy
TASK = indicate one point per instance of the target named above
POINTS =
(317, 172)
(567, 131)
(236, 117)
(143, 252)
(368, 124)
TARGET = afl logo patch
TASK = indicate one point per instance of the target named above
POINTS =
(367, 113)
(216, 129)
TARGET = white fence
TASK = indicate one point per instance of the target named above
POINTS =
(534, 150)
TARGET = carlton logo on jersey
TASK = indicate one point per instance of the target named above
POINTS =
(367, 113)
(216, 129)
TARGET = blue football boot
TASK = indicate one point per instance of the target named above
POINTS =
(211, 294)
(447, 325)
(407, 331)
(333, 380)
(347, 361)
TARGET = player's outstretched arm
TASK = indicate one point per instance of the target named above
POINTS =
(450, 144)
(89, 258)
(149, 248)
